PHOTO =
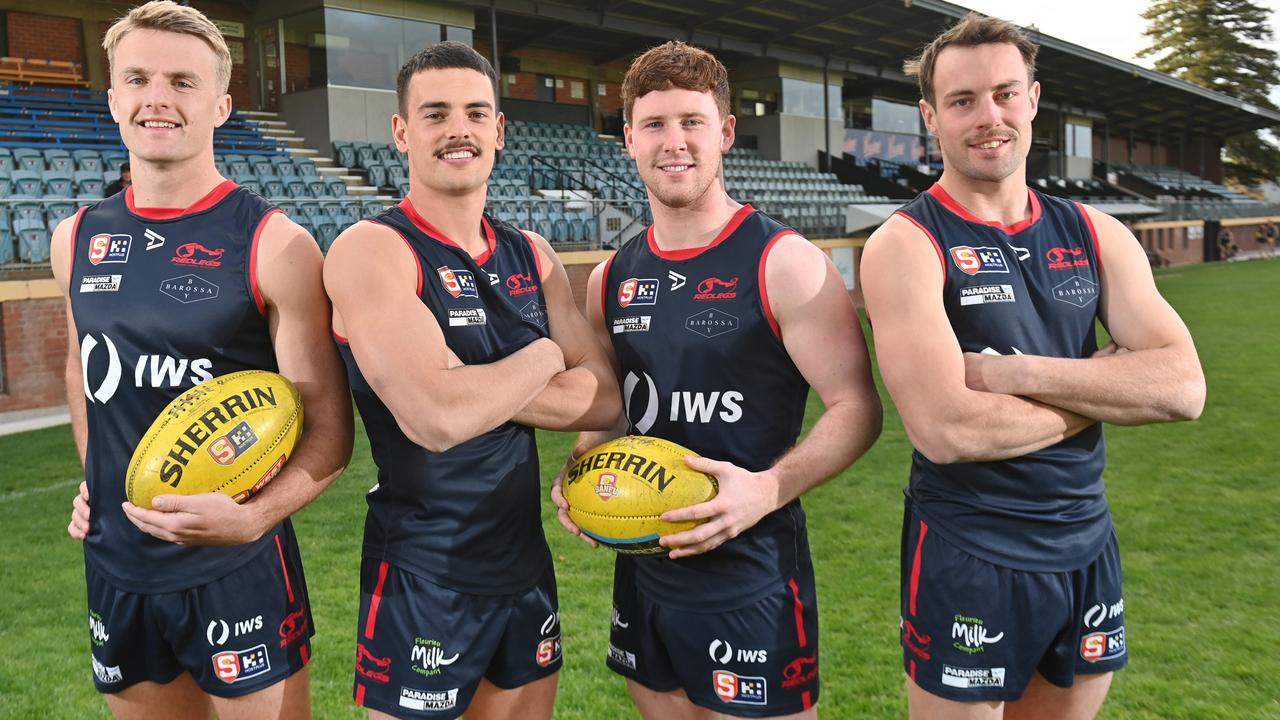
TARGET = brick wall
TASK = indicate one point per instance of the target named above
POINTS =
(45, 37)
(35, 353)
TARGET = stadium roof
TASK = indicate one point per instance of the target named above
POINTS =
(869, 38)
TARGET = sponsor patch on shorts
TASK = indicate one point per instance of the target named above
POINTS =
(1103, 645)
(622, 657)
(986, 294)
(957, 677)
(744, 689)
(428, 700)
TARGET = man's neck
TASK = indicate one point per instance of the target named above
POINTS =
(1004, 201)
(693, 226)
(456, 216)
(173, 185)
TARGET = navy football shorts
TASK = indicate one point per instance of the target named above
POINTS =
(756, 661)
(421, 649)
(239, 634)
(972, 630)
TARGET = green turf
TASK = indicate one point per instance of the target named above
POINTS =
(1196, 506)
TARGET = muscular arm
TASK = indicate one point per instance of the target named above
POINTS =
(924, 369)
(585, 395)
(372, 277)
(1157, 377)
(823, 336)
(288, 267)
(60, 256)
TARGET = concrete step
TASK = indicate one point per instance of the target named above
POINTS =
(289, 139)
(258, 114)
(305, 152)
(330, 171)
(362, 190)
(277, 132)
(322, 161)
(270, 123)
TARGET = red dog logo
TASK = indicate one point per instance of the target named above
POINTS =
(916, 642)
(379, 669)
(713, 288)
(800, 671)
(294, 626)
(1066, 258)
(521, 283)
(193, 253)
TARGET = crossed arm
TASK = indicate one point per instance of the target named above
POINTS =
(966, 407)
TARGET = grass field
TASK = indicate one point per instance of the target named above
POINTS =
(1197, 507)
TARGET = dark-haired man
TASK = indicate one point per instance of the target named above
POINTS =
(460, 335)
(984, 295)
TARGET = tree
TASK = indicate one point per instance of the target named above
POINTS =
(1218, 44)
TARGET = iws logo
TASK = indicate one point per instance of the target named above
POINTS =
(721, 652)
(650, 413)
(971, 636)
(110, 381)
(1102, 612)
(219, 631)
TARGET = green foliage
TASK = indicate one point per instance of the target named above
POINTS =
(1221, 45)
(1196, 509)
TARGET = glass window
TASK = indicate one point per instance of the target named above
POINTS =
(1079, 140)
(890, 116)
(342, 47)
(802, 97)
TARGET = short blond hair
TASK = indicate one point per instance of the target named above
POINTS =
(169, 16)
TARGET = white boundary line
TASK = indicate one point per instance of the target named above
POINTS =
(18, 495)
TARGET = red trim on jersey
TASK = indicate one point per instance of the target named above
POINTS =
(416, 260)
(253, 261)
(807, 699)
(764, 289)
(284, 569)
(912, 672)
(955, 207)
(604, 287)
(435, 234)
(795, 593)
(306, 656)
(915, 568)
(360, 694)
(1093, 233)
(537, 256)
(937, 247)
(75, 229)
(690, 253)
(214, 197)
(372, 620)
(339, 338)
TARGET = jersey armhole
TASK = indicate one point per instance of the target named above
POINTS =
(253, 262)
(537, 256)
(416, 260)
(1093, 235)
(75, 230)
(604, 287)
(942, 260)
(764, 288)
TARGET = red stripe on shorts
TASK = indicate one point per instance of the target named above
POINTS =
(377, 600)
(306, 656)
(912, 672)
(360, 693)
(807, 699)
(915, 566)
(795, 593)
(284, 569)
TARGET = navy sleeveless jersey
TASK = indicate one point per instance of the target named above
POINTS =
(1030, 289)
(162, 301)
(701, 364)
(468, 518)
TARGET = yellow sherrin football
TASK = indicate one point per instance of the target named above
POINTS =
(231, 434)
(617, 491)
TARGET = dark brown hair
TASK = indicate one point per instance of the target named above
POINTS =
(972, 30)
(445, 55)
(675, 65)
